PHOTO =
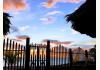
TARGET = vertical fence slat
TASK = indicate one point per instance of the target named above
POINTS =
(14, 45)
(13, 55)
(18, 48)
(48, 55)
(40, 62)
(65, 56)
(70, 57)
(42, 58)
(4, 53)
(9, 54)
(4, 46)
(27, 54)
(37, 57)
(54, 57)
(7, 45)
(62, 50)
(58, 52)
(31, 62)
(21, 57)
(45, 61)
(7, 50)
(16, 57)
(35, 62)
(24, 57)
(33, 59)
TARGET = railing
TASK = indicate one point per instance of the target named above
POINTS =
(39, 57)
(13, 55)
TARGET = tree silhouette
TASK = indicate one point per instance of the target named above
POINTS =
(84, 18)
(6, 23)
(92, 52)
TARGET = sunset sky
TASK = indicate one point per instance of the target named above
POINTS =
(44, 19)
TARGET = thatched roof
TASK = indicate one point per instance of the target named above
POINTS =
(84, 18)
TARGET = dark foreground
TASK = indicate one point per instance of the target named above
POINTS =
(78, 66)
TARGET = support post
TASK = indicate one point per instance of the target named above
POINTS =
(27, 59)
(70, 57)
(48, 55)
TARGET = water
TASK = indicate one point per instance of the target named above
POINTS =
(58, 61)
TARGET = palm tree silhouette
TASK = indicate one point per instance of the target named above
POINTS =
(6, 23)
(84, 18)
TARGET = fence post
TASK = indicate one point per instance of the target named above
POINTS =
(86, 56)
(27, 58)
(70, 57)
(37, 57)
(48, 55)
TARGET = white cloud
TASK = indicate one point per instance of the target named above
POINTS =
(23, 28)
(10, 36)
(74, 32)
(53, 13)
(43, 19)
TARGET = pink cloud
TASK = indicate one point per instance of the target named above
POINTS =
(23, 37)
(48, 20)
(52, 3)
(14, 5)
(73, 1)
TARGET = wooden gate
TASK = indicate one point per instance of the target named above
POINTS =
(40, 56)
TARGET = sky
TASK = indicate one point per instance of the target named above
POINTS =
(43, 19)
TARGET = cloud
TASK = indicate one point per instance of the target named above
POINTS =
(48, 4)
(73, 1)
(53, 13)
(14, 5)
(22, 37)
(47, 20)
(52, 3)
(74, 32)
(23, 28)
(10, 36)
(92, 42)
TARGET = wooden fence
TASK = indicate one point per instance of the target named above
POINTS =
(36, 57)
(13, 55)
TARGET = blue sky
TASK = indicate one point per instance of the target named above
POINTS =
(45, 19)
